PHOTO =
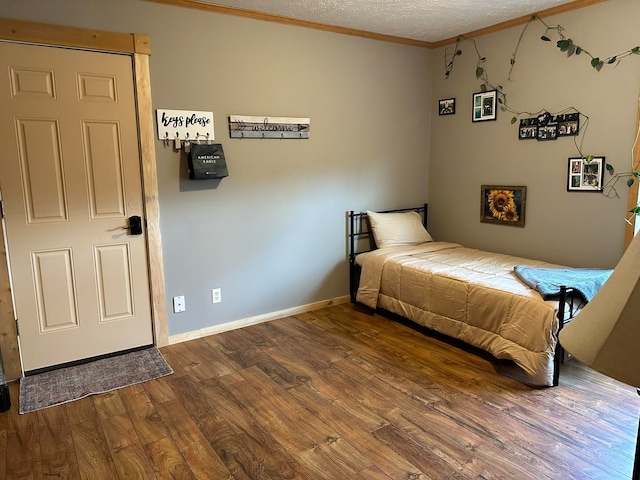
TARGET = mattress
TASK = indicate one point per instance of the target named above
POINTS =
(468, 294)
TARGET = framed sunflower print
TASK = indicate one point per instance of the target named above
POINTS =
(503, 205)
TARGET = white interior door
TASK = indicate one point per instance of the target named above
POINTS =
(70, 180)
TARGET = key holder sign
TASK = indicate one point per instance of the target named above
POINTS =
(184, 125)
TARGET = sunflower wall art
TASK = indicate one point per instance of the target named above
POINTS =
(503, 205)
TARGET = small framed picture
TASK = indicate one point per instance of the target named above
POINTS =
(568, 124)
(528, 129)
(447, 106)
(585, 176)
(547, 132)
(485, 106)
(503, 205)
(544, 118)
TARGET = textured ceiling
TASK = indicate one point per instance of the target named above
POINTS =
(422, 20)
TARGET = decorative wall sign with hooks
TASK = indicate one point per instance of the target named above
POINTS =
(245, 126)
(184, 126)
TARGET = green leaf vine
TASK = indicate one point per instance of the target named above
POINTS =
(571, 48)
(568, 46)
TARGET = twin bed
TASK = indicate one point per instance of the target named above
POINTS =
(465, 293)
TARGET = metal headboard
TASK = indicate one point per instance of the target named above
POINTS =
(359, 230)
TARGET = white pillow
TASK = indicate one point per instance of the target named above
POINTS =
(397, 229)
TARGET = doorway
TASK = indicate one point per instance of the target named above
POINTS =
(70, 181)
(110, 258)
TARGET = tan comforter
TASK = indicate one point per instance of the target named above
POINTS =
(468, 294)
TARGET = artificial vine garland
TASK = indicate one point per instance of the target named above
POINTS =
(564, 44)
(568, 46)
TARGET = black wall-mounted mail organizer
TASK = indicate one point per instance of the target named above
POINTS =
(206, 161)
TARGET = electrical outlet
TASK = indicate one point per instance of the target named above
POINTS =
(178, 304)
(216, 295)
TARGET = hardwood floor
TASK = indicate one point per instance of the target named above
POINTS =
(333, 394)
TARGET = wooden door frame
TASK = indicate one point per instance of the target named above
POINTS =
(632, 201)
(139, 48)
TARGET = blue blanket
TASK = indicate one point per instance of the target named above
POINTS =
(547, 281)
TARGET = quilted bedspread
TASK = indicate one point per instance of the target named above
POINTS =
(467, 294)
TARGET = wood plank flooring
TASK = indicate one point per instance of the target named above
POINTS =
(332, 394)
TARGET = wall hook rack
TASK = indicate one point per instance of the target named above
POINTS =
(184, 125)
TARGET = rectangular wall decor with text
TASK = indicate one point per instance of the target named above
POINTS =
(245, 126)
(190, 125)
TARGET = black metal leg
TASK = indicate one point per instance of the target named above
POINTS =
(558, 355)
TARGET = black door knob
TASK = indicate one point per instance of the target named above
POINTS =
(135, 225)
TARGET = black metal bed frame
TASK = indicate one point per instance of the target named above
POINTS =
(569, 301)
(360, 229)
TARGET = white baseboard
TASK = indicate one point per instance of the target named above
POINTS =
(266, 317)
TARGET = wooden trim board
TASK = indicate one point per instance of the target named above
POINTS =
(8, 334)
(632, 200)
(520, 21)
(150, 192)
(266, 317)
(45, 34)
(267, 17)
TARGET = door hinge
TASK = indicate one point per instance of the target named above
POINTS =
(1, 209)
(17, 328)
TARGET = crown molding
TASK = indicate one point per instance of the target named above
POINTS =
(520, 21)
(267, 17)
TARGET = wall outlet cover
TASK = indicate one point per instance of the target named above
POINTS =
(216, 295)
(179, 304)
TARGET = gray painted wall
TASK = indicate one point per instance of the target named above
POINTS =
(577, 229)
(272, 234)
